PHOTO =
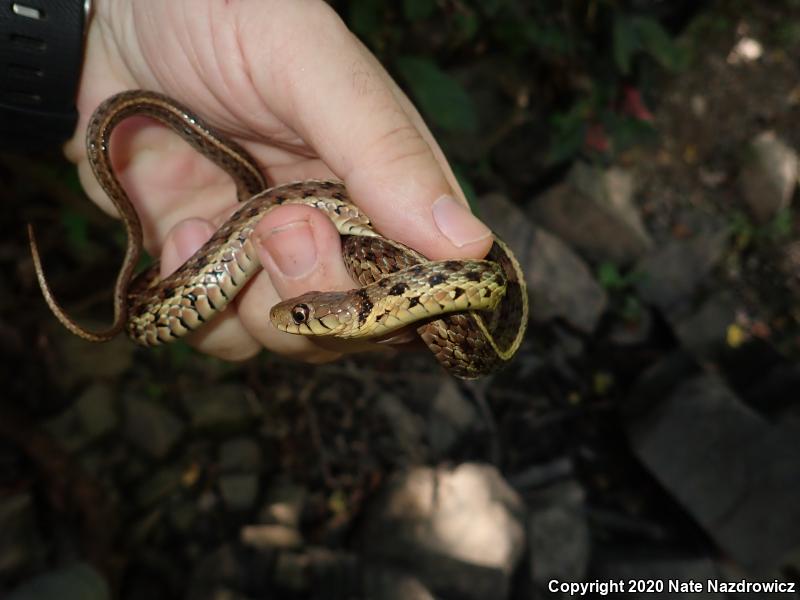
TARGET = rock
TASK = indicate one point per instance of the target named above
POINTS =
(338, 571)
(239, 491)
(20, 543)
(284, 504)
(225, 406)
(670, 276)
(736, 473)
(769, 176)
(224, 564)
(633, 330)
(645, 568)
(292, 571)
(539, 475)
(79, 581)
(451, 416)
(271, 536)
(789, 265)
(381, 583)
(593, 211)
(151, 428)
(83, 361)
(459, 530)
(558, 534)
(560, 284)
(408, 428)
(703, 332)
(89, 418)
(160, 484)
(240, 455)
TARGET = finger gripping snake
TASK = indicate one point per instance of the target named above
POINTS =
(472, 314)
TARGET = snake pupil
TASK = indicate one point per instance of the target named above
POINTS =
(300, 313)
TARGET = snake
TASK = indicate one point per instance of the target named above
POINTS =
(471, 314)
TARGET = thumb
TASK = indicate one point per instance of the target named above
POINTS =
(367, 132)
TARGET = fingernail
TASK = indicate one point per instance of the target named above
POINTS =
(292, 248)
(457, 224)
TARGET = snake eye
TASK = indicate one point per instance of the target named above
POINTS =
(300, 313)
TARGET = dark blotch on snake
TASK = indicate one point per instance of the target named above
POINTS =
(458, 293)
(398, 289)
(339, 196)
(167, 292)
(436, 279)
(365, 305)
(472, 276)
(452, 265)
(413, 301)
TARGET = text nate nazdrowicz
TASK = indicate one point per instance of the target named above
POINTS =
(655, 586)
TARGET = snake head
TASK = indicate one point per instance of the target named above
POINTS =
(315, 313)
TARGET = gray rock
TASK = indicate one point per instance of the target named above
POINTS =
(634, 330)
(735, 472)
(83, 362)
(79, 581)
(649, 569)
(151, 428)
(160, 484)
(408, 428)
(381, 583)
(284, 503)
(224, 564)
(558, 534)
(560, 284)
(670, 276)
(238, 455)
(226, 406)
(703, 332)
(593, 211)
(239, 491)
(89, 418)
(790, 266)
(20, 541)
(451, 416)
(459, 530)
(292, 571)
(769, 176)
(271, 536)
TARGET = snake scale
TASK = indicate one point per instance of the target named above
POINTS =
(472, 314)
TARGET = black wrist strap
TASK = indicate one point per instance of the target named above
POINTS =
(41, 53)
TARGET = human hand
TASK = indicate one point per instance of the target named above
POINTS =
(289, 82)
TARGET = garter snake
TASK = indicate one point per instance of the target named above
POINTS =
(471, 314)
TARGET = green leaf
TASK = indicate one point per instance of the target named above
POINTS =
(365, 16)
(655, 40)
(440, 97)
(417, 10)
(77, 229)
(467, 25)
(625, 42)
(466, 185)
(609, 276)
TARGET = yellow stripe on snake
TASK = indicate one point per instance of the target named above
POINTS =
(471, 314)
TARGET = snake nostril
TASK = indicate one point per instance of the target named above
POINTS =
(300, 313)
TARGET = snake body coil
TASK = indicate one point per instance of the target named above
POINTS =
(400, 287)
